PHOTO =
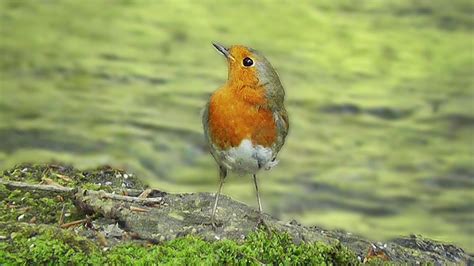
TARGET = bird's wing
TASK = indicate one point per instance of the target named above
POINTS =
(207, 136)
(282, 124)
(205, 125)
(205, 122)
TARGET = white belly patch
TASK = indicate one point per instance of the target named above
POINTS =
(248, 158)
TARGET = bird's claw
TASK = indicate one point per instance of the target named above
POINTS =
(214, 224)
(262, 223)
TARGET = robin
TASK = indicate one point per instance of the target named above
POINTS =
(245, 121)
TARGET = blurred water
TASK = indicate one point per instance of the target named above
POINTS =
(379, 95)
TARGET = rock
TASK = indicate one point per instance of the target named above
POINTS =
(183, 214)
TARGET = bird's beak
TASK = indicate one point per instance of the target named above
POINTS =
(223, 50)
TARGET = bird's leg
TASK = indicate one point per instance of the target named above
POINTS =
(261, 221)
(258, 196)
(213, 215)
(222, 175)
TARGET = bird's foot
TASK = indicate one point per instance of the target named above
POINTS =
(262, 223)
(215, 224)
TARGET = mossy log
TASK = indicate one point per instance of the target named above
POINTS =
(117, 215)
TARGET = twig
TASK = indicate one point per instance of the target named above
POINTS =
(132, 192)
(136, 209)
(27, 186)
(49, 181)
(74, 223)
(63, 177)
(61, 217)
(103, 194)
(145, 193)
(66, 190)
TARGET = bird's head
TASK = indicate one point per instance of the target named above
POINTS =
(248, 67)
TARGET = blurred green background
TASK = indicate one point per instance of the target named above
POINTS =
(380, 96)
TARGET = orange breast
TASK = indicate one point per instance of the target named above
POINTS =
(237, 115)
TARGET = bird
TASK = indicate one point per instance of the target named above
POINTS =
(245, 121)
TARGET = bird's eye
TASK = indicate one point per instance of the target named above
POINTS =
(247, 61)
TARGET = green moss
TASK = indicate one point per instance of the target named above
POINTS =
(379, 261)
(91, 186)
(46, 244)
(102, 178)
(23, 206)
(36, 207)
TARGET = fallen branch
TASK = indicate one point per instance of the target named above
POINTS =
(73, 193)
